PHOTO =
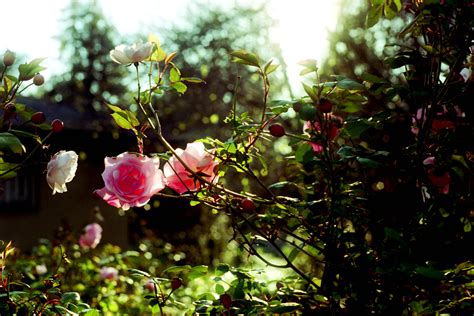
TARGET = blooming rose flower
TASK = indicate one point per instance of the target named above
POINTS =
(91, 237)
(61, 170)
(108, 273)
(198, 160)
(135, 53)
(332, 130)
(439, 179)
(130, 180)
(466, 74)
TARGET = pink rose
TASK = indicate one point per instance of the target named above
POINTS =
(198, 160)
(108, 273)
(91, 237)
(439, 179)
(331, 125)
(130, 180)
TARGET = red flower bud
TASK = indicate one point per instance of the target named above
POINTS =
(297, 107)
(176, 283)
(38, 118)
(247, 205)
(8, 58)
(276, 130)
(226, 300)
(57, 126)
(325, 105)
(38, 80)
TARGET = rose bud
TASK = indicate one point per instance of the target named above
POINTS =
(247, 205)
(38, 80)
(8, 58)
(297, 107)
(325, 105)
(9, 111)
(57, 125)
(276, 130)
(38, 118)
(226, 300)
(176, 283)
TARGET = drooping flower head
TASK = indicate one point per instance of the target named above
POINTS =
(130, 180)
(61, 169)
(198, 160)
(134, 53)
(330, 129)
(91, 236)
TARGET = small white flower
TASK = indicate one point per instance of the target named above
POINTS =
(135, 53)
(466, 74)
(41, 269)
(61, 170)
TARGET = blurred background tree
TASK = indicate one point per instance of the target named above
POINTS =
(355, 50)
(203, 45)
(90, 77)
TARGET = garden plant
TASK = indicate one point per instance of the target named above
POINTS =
(371, 213)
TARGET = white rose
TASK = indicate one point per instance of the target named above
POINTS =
(135, 53)
(61, 170)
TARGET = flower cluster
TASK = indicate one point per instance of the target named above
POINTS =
(132, 179)
(329, 127)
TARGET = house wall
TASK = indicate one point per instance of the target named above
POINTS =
(75, 208)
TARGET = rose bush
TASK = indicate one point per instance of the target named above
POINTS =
(61, 169)
(130, 180)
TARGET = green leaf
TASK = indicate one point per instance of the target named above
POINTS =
(246, 58)
(368, 162)
(29, 70)
(350, 84)
(357, 127)
(374, 14)
(310, 91)
(6, 171)
(139, 273)
(179, 87)
(192, 79)
(219, 289)
(177, 269)
(9, 143)
(310, 65)
(430, 272)
(194, 203)
(197, 272)
(24, 134)
(304, 153)
(70, 297)
(91, 312)
(268, 68)
(175, 75)
(124, 118)
(221, 269)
